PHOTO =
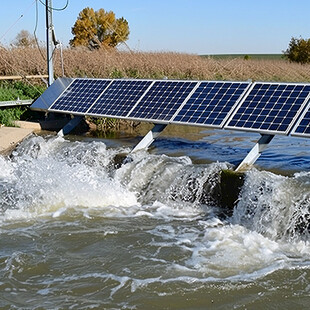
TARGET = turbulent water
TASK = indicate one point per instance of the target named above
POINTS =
(77, 232)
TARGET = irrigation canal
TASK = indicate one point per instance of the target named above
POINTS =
(77, 233)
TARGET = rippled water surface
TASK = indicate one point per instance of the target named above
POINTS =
(78, 233)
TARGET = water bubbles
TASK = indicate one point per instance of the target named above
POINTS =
(184, 238)
(51, 174)
(276, 206)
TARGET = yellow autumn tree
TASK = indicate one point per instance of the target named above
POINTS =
(96, 28)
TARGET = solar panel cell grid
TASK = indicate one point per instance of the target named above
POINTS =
(80, 95)
(303, 126)
(210, 103)
(119, 98)
(162, 100)
(270, 107)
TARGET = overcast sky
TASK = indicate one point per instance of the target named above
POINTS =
(191, 26)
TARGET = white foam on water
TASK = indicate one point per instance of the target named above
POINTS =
(275, 206)
(6, 171)
(171, 187)
(51, 176)
(46, 176)
(235, 253)
(217, 251)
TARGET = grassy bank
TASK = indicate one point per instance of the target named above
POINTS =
(10, 91)
(113, 64)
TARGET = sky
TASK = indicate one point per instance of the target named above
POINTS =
(185, 26)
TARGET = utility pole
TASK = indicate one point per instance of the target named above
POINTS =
(49, 41)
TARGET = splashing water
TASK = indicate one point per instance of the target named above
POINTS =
(150, 227)
(50, 175)
(275, 206)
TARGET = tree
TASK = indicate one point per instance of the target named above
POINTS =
(96, 28)
(298, 50)
(24, 39)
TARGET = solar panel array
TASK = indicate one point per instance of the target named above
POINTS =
(270, 107)
(267, 108)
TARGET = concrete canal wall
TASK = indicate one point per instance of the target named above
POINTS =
(11, 136)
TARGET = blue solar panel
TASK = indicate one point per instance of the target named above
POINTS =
(80, 95)
(162, 100)
(302, 127)
(119, 98)
(270, 108)
(211, 103)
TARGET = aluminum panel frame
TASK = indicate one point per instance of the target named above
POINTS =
(51, 94)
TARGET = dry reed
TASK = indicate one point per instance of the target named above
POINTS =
(113, 64)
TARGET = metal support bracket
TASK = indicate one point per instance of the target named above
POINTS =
(70, 125)
(253, 155)
(149, 137)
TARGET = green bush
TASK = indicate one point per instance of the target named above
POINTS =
(116, 74)
(29, 91)
(9, 116)
(298, 50)
(13, 90)
(9, 94)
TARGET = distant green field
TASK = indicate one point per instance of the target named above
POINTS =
(249, 56)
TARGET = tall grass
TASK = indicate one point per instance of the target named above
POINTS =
(115, 64)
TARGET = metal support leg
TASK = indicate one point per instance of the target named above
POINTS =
(251, 158)
(70, 125)
(149, 138)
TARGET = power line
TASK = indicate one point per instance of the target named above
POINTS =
(56, 9)
(19, 18)
(35, 30)
(56, 43)
(18, 70)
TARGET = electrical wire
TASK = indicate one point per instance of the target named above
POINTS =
(23, 75)
(18, 70)
(55, 9)
(62, 60)
(56, 44)
(35, 31)
(19, 18)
